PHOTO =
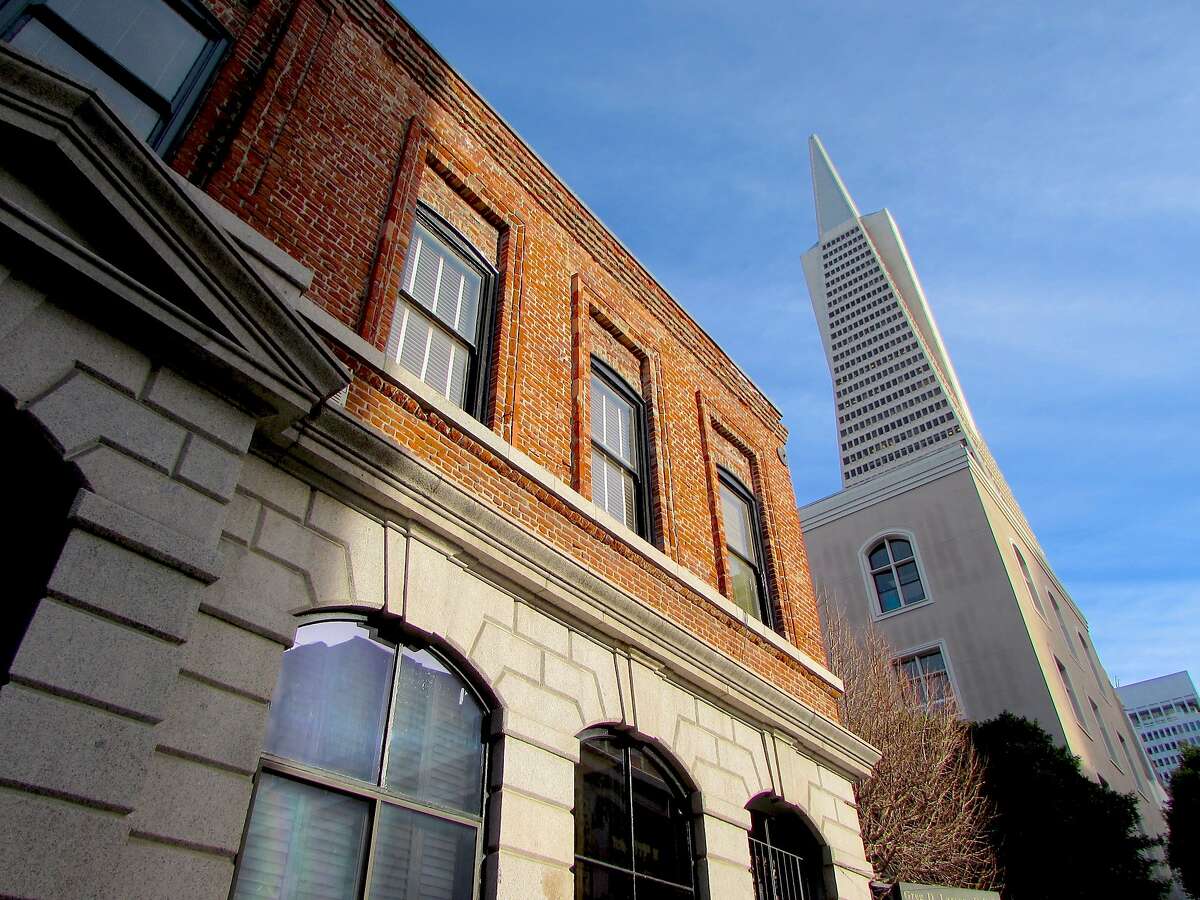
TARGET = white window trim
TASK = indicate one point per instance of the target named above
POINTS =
(939, 645)
(864, 567)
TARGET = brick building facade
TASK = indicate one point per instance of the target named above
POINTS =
(205, 352)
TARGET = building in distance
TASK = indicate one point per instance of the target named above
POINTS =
(1165, 714)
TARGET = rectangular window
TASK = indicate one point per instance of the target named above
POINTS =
(743, 543)
(926, 674)
(1112, 751)
(1066, 680)
(439, 327)
(150, 59)
(619, 483)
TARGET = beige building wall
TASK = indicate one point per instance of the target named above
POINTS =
(1001, 647)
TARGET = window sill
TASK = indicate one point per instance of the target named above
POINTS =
(468, 424)
(879, 617)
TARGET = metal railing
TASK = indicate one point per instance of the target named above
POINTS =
(779, 875)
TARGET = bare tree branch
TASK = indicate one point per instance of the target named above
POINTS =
(922, 811)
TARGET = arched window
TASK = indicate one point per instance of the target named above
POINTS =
(633, 823)
(372, 778)
(786, 858)
(1029, 585)
(894, 574)
(44, 493)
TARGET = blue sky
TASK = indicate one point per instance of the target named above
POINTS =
(1043, 162)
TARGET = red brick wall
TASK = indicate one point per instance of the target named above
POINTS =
(326, 124)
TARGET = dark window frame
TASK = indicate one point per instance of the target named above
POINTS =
(683, 791)
(388, 632)
(765, 601)
(175, 113)
(641, 481)
(893, 566)
(479, 369)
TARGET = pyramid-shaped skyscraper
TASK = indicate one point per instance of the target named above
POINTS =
(926, 542)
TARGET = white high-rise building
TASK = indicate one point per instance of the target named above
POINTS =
(926, 542)
(1165, 713)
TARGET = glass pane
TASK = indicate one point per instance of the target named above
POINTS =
(423, 267)
(744, 580)
(602, 824)
(901, 550)
(913, 592)
(878, 558)
(594, 882)
(420, 857)
(885, 581)
(736, 514)
(414, 339)
(436, 278)
(933, 662)
(613, 422)
(908, 572)
(428, 351)
(437, 365)
(660, 824)
(330, 704)
(146, 36)
(436, 749)
(302, 841)
(39, 41)
(889, 600)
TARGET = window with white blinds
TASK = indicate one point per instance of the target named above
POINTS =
(436, 329)
(742, 541)
(372, 777)
(617, 469)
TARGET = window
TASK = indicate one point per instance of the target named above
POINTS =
(743, 541)
(785, 857)
(1112, 751)
(1030, 586)
(894, 574)
(1062, 624)
(1066, 680)
(372, 778)
(619, 451)
(440, 327)
(150, 59)
(1090, 653)
(926, 674)
(633, 827)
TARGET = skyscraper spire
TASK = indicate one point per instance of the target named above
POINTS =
(834, 206)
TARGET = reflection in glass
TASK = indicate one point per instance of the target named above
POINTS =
(745, 586)
(436, 749)
(39, 41)
(632, 825)
(660, 824)
(148, 37)
(330, 706)
(601, 804)
(302, 841)
(419, 857)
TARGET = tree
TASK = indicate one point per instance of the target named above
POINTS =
(1183, 820)
(922, 812)
(1056, 832)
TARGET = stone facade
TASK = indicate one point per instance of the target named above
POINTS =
(185, 353)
